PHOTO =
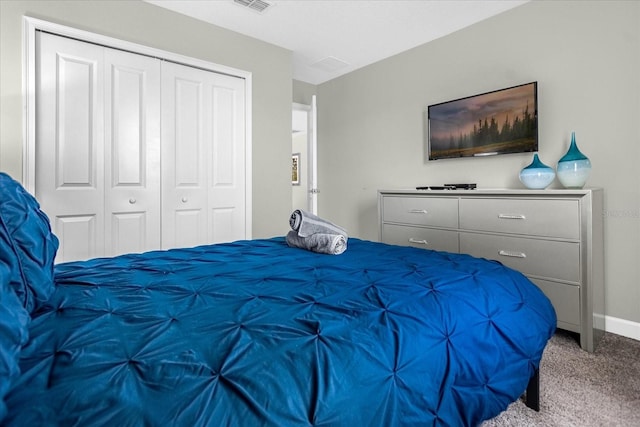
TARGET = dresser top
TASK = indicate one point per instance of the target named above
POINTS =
(496, 192)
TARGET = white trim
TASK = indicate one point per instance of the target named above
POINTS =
(248, 157)
(313, 142)
(29, 104)
(31, 25)
(623, 327)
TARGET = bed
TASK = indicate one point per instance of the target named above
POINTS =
(257, 333)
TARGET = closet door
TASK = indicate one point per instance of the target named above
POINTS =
(227, 174)
(70, 143)
(98, 147)
(132, 153)
(203, 171)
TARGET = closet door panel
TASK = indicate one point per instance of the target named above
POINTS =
(132, 153)
(188, 143)
(224, 224)
(128, 233)
(227, 168)
(184, 151)
(78, 235)
(69, 143)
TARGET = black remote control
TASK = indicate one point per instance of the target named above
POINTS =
(462, 186)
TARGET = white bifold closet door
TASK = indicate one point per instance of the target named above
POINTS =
(203, 177)
(134, 153)
(97, 147)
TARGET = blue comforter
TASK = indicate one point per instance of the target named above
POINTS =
(257, 333)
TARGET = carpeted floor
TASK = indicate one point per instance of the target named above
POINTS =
(583, 389)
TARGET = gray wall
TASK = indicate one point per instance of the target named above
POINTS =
(303, 92)
(586, 59)
(146, 24)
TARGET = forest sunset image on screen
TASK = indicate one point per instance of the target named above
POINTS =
(498, 122)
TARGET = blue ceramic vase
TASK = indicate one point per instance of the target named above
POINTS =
(537, 175)
(574, 167)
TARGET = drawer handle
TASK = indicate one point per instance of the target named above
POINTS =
(512, 254)
(510, 216)
(420, 242)
(420, 211)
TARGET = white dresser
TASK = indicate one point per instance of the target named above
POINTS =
(554, 237)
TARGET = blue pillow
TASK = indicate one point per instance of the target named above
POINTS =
(27, 245)
(14, 320)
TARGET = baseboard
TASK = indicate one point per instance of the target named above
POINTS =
(623, 327)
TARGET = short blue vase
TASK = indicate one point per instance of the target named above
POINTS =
(574, 167)
(537, 175)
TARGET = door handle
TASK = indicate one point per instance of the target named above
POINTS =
(420, 242)
(511, 216)
(512, 254)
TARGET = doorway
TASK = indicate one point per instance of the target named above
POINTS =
(304, 177)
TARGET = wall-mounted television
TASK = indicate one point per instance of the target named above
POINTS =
(499, 122)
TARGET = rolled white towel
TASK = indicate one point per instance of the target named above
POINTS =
(306, 224)
(332, 244)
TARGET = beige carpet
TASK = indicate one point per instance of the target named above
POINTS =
(583, 389)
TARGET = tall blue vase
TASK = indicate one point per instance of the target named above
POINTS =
(537, 175)
(574, 167)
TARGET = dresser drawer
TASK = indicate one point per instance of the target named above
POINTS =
(565, 299)
(536, 217)
(427, 238)
(435, 211)
(541, 258)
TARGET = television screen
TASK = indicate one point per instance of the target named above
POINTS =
(499, 122)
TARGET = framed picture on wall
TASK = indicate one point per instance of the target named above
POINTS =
(295, 169)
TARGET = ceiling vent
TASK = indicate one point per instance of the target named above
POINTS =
(256, 5)
(330, 64)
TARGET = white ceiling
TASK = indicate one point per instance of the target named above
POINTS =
(329, 38)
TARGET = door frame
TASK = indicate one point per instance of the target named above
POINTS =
(30, 25)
